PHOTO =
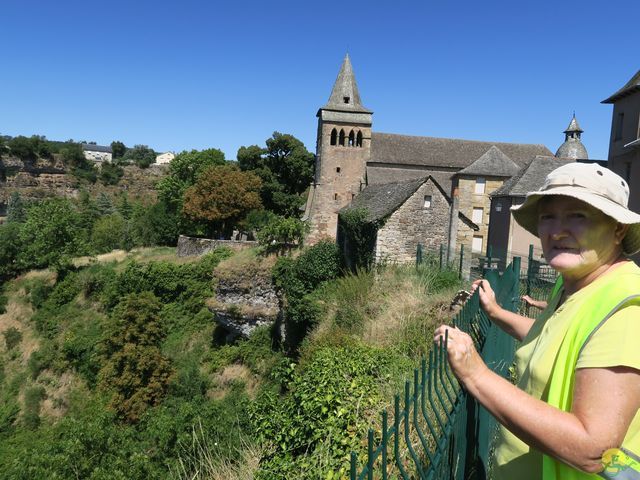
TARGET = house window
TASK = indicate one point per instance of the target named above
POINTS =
(480, 184)
(619, 127)
(477, 215)
(498, 206)
(476, 244)
(427, 201)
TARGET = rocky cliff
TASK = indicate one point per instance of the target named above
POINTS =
(48, 178)
(245, 297)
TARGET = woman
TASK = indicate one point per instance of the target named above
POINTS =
(578, 366)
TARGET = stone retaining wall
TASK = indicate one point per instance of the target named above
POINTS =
(191, 246)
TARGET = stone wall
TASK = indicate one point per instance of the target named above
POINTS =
(191, 246)
(414, 223)
(468, 199)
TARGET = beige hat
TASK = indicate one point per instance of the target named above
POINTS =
(598, 186)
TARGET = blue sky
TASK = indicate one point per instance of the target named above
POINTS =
(200, 74)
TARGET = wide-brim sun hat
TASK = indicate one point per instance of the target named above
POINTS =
(593, 184)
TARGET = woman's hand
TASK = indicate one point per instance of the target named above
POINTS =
(532, 302)
(464, 359)
(487, 297)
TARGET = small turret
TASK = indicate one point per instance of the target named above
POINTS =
(572, 146)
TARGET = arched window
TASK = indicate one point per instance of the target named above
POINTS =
(334, 136)
(341, 141)
(352, 139)
(359, 139)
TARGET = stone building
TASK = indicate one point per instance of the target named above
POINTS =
(624, 143)
(96, 153)
(406, 213)
(351, 161)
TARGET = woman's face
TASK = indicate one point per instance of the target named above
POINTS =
(577, 238)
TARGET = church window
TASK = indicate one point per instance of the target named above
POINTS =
(346, 99)
(353, 195)
(480, 184)
(335, 196)
(359, 139)
(334, 136)
(619, 126)
(427, 201)
(341, 138)
(477, 215)
(476, 244)
(352, 139)
(337, 169)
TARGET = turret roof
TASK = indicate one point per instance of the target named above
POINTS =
(345, 96)
(573, 126)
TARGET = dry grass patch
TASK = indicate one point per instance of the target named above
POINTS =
(17, 315)
(235, 373)
(57, 388)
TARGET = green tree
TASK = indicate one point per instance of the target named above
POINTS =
(285, 167)
(134, 372)
(10, 247)
(108, 233)
(104, 204)
(110, 173)
(16, 211)
(184, 170)
(22, 147)
(141, 155)
(154, 225)
(49, 233)
(221, 197)
(118, 149)
(281, 234)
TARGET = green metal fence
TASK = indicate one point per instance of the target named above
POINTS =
(436, 430)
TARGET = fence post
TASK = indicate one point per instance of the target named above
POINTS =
(419, 255)
(461, 259)
(530, 269)
(441, 255)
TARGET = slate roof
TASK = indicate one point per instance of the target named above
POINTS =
(631, 86)
(492, 163)
(446, 152)
(96, 148)
(345, 87)
(383, 199)
(531, 177)
(573, 126)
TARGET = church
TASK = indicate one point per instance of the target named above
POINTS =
(427, 190)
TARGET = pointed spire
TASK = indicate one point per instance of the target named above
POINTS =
(345, 95)
(573, 126)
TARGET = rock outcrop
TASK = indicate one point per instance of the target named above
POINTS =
(246, 297)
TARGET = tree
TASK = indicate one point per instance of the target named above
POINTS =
(222, 196)
(110, 173)
(285, 167)
(10, 247)
(104, 204)
(16, 211)
(22, 147)
(282, 234)
(49, 232)
(118, 149)
(108, 233)
(184, 170)
(154, 225)
(135, 372)
(141, 155)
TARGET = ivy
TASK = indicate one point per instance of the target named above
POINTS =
(360, 237)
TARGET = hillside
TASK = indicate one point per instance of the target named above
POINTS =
(39, 178)
(113, 368)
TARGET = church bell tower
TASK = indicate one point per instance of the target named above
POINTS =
(343, 147)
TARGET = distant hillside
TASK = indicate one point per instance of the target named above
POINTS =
(39, 178)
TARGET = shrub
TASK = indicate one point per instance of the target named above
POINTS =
(32, 398)
(12, 337)
(3, 301)
(38, 293)
(108, 232)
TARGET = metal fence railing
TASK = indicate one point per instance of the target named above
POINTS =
(437, 431)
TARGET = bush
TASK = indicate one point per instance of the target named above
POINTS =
(32, 398)
(108, 232)
(3, 301)
(38, 293)
(110, 173)
(12, 337)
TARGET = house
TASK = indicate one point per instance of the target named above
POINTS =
(624, 142)
(96, 153)
(164, 158)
